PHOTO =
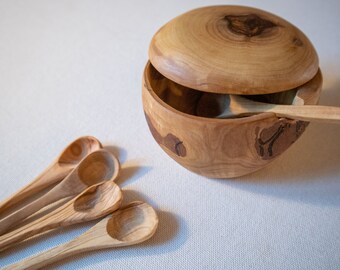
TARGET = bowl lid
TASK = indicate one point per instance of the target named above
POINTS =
(235, 50)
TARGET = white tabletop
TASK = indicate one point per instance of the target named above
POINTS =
(73, 68)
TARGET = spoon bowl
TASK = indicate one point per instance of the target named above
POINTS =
(95, 202)
(96, 198)
(62, 166)
(130, 225)
(98, 166)
(77, 150)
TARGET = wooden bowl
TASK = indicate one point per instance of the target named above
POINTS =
(222, 50)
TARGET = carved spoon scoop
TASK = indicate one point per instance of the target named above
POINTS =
(233, 105)
(95, 202)
(96, 167)
(66, 162)
(130, 225)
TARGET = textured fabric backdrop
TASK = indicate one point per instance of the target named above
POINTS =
(73, 67)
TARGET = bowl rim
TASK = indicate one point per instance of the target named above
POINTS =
(246, 119)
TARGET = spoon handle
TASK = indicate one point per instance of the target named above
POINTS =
(53, 174)
(52, 196)
(315, 113)
(47, 257)
(89, 241)
(93, 203)
(45, 223)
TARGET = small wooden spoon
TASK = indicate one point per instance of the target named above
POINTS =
(93, 169)
(67, 160)
(95, 202)
(130, 225)
(234, 105)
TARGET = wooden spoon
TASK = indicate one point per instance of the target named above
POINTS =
(67, 160)
(93, 169)
(95, 202)
(233, 105)
(130, 225)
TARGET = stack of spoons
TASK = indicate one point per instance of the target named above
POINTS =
(81, 184)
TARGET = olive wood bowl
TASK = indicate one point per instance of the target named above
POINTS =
(220, 148)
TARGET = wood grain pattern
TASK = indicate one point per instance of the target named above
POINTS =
(221, 148)
(95, 202)
(130, 225)
(95, 168)
(233, 50)
(170, 141)
(62, 166)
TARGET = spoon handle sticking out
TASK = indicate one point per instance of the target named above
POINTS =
(95, 202)
(239, 105)
(130, 225)
(62, 166)
(312, 113)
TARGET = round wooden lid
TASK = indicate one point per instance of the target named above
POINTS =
(235, 50)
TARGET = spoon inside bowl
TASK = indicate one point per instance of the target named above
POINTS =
(64, 163)
(95, 202)
(130, 225)
(95, 168)
(227, 106)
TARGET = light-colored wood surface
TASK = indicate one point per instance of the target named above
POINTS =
(219, 148)
(233, 50)
(98, 166)
(63, 165)
(95, 202)
(236, 106)
(130, 225)
(72, 68)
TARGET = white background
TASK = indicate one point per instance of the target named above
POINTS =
(71, 68)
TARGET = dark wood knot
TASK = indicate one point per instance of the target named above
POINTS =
(248, 25)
